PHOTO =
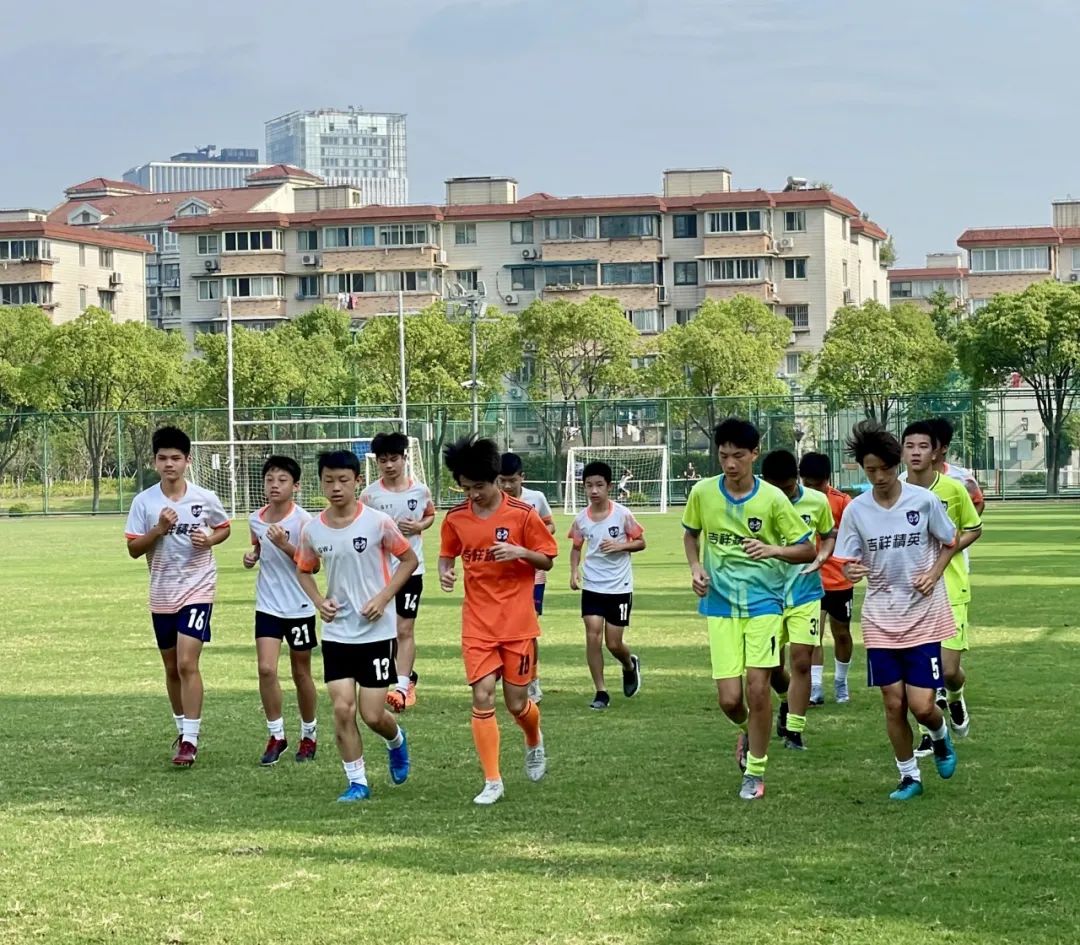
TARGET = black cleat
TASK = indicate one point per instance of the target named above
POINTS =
(601, 701)
(794, 741)
(926, 747)
(275, 748)
(781, 720)
(631, 678)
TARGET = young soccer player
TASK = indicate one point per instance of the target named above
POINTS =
(501, 542)
(282, 609)
(512, 481)
(899, 538)
(624, 484)
(804, 590)
(609, 534)
(921, 447)
(355, 543)
(739, 532)
(176, 524)
(409, 504)
(815, 471)
(943, 432)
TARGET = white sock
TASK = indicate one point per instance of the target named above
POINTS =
(403, 683)
(909, 769)
(815, 675)
(191, 731)
(396, 741)
(840, 671)
(308, 729)
(355, 771)
(938, 735)
(277, 728)
(179, 720)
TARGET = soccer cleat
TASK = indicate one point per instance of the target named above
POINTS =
(959, 718)
(840, 689)
(817, 695)
(410, 695)
(535, 761)
(399, 761)
(926, 747)
(945, 757)
(493, 790)
(794, 741)
(631, 678)
(941, 700)
(354, 792)
(600, 701)
(535, 692)
(753, 787)
(906, 790)
(185, 756)
(306, 751)
(275, 748)
(395, 701)
(781, 720)
(742, 749)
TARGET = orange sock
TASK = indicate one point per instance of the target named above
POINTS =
(529, 721)
(485, 733)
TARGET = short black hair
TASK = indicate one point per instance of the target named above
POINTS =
(510, 464)
(597, 468)
(943, 430)
(389, 444)
(741, 434)
(870, 438)
(170, 438)
(922, 428)
(473, 458)
(285, 463)
(780, 466)
(815, 466)
(339, 459)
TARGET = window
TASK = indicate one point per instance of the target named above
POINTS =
(170, 276)
(82, 252)
(307, 240)
(1019, 259)
(27, 249)
(26, 293)
(464, 234)
(413, 281)
(1076, 258)
(154, 239)
(734, 221)
(153, 276)
(684, 226)
(799, 316)
(107, 300)
(626, 227)
(523, 278)
(628, 274)
(153, 308)
(646, 320)
(683, 316)
(308, 287)
(168, 241)
(844, 266)
(977, 305)
(255, 287)
(875, 290)
(82, 298)
(340, 237)
(208, 244)
(844, 227)
(252, 241)
(570, 228)
(794, 268)
(791, 364)
(105, 258)
(403, 234)
(467, 278)
(734, 270)
(569, 275)
(686, 273)
(344, 282)
(794, 221)
(521, 232)
(900, 290)
(209, 290)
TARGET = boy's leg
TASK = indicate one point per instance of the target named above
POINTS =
(172, 682)
(802, 630)
(407, 604)
(485, 732)
(817, 669)
(594, 650)
(188, 651)
(517, 660)
(727, 660)
(375, 714)
(268, 651)
(307, 697)
(539, 586)
(952, 651)
(347, 734)
(894, 700)
(761, 638)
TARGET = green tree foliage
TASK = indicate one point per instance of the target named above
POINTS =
(887, 253)
(25, 386)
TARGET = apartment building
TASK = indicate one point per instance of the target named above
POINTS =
(942, 272)
(64, 269)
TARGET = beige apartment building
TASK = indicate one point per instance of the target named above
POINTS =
(942, 272)
(65, 269)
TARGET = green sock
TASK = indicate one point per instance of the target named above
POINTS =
(756, 766)
(796, 723)
(741, 726)
(954, 695)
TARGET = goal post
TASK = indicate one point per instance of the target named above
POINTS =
(639, 476)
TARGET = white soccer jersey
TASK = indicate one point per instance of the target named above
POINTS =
(606, 573)
(898, 545)
(538, 501)
(180, 574)
(277, 591)
(357, 561)
(414, 502)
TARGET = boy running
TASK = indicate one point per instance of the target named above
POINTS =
(609, 534)
(409, 504)
(739, 532)
(356, 543)
(176, 524)
(899, 538)
(943, 432)
(282, 609)
(501, 542)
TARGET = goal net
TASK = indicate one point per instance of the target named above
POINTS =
(233, 469)
(639, 476)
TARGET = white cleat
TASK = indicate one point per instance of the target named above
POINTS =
(535, 761)
(535, 692)
(962, 726)
(493, 790)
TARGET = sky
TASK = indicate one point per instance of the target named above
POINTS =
(931, 116)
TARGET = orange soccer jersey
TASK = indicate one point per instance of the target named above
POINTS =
(832, 571)
(498, 594)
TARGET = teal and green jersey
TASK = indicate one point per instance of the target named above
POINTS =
(813, 509)
(738, 585)
(961, 511)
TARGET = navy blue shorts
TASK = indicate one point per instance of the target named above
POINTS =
(190, 621)
(918, 666)
(298, 632)
(538, 599)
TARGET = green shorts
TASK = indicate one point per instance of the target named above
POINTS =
(960, 641)
(738, 642)
(802, 624)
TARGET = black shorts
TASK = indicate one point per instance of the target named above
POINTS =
(614, 608)
(837, 604)
(298, 632)
(408, 598)
(370, 665)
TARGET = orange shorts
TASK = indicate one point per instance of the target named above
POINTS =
(513, 660)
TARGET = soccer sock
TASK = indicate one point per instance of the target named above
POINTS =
(909, 769)
(396, 741)
(179, 720)
(355, 771)
(485, 733)
(954, 695)
(815, 675)
(840, 671)
(741, 726)
(756, 766)
(938, 735)
(308, 729)
(529, 723)
(402, 683)
(191, 731)
(796, 723)
(277, 728)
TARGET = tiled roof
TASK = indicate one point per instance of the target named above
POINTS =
(1009, 235)
(103, 183)
(869, 228)
(908, 275)
(75, 234)
(282, 171)
(146, 209)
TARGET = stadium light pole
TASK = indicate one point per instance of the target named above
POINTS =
(401, 359)
(231, 403)
(473, 301)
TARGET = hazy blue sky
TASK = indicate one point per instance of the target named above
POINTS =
(932, 116)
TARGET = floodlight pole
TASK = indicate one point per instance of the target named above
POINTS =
(231, 402)
(401, 359)
(474, 309)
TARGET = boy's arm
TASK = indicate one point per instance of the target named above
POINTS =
(575, 563)
(219, 533)
(447, 574)
(407, 563)
(692, 547)
(927, 581)
(800, 553)
(138, 545)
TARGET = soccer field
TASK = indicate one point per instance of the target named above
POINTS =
(636, 835)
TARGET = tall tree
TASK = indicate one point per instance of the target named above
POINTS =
(873, 354)
(1036, 334)
(946, 312)
(25, 386)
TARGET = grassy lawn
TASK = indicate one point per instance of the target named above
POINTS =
(635, 836)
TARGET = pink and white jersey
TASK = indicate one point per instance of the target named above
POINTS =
(413, 502)
(606, 573)
(180, 574)
(357, 562)
(277, 591)
(898, 545)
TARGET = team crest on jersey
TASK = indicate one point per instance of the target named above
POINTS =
(913, 518)
(196, 510)
(359, 543)
(806, 519)
(613, 531)
(754, 524)
(412, 505)
(501, 534)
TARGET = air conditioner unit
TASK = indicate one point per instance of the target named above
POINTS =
(309, 259)
(1074, 276)
(528, 254)
(442, 257)
(510, 298)
(785, 243)
(212, 265)
(531, 439)
(116, 278)
(516, 393)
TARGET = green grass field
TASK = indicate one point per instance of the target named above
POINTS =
(635, 836)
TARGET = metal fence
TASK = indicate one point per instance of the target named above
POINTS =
(47, 461)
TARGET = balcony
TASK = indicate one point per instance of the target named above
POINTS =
(31, 270)
(366, 304)
(761, 290)
(378, 259)
(271, 262)
(632, 249)
(256, 308)
(737, 244)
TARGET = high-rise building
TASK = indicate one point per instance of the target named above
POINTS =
(200, 169)
(366, 150)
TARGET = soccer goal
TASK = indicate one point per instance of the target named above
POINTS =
(639, 476)
(233, 469)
